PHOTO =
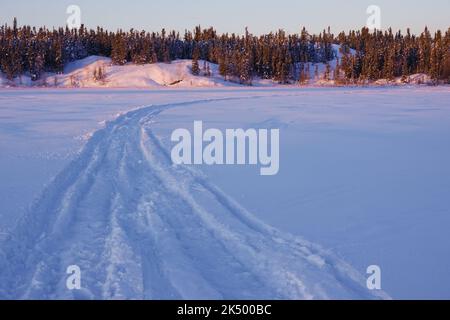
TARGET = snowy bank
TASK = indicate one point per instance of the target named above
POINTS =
(99, 72)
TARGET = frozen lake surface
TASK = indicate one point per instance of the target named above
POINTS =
(363, 173)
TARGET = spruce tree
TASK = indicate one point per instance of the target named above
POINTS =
(195, 64)
(327, 73)
(119, 50)
(337, 73)
(223, 70)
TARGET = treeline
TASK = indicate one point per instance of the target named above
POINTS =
(365, 56)
(385, 55)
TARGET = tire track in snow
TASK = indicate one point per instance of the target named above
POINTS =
(141, 228)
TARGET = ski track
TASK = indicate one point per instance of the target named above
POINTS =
(142, 228)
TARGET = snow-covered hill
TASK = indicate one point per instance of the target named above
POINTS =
(81, 74)
(175, 74)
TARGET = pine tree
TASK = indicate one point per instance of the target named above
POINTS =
(446, 58)
(166, 55)
(327, 73)
(337, 73)
(304, 74)
(316, 72)
(99, 74)
(425, 43)
(36, 62)
(437, 57)
(119, 50)
(59, 58)
(223, 70)
(389, 64)
(244, 69)
(207, 69)
(195, 65)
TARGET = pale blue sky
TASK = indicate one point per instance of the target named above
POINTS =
(260, 16)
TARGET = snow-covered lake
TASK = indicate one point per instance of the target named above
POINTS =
(364, 173)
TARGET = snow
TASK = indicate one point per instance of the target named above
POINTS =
(175, 74)
(364, 174)
(80, 74)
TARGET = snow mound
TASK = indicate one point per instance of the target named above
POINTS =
(175, 74)
(81, 74)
